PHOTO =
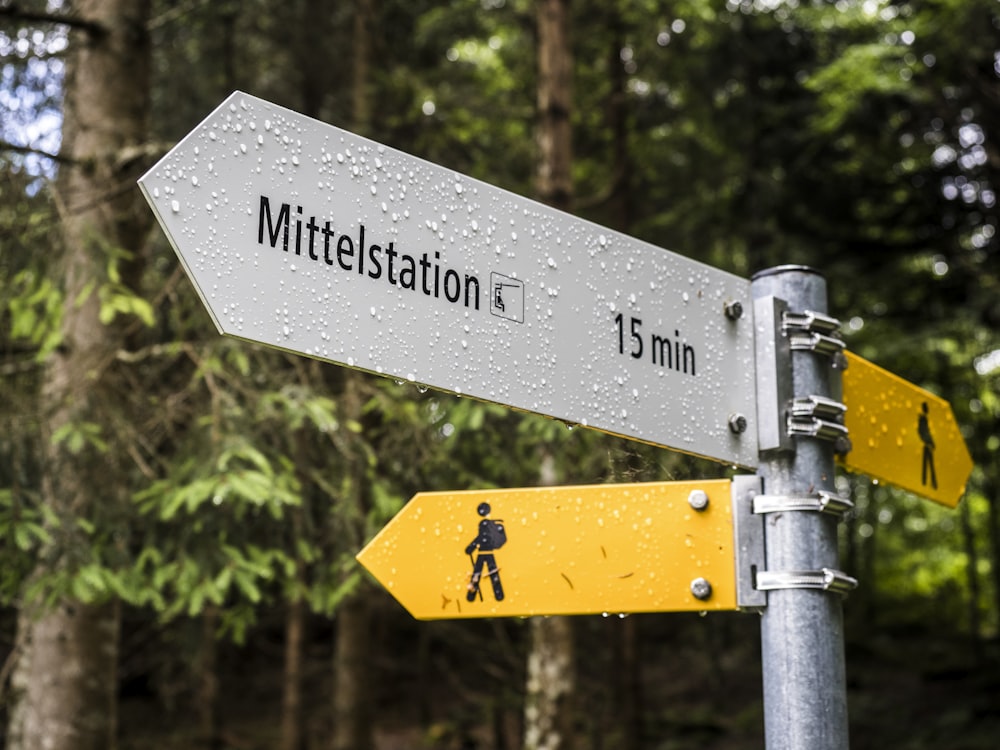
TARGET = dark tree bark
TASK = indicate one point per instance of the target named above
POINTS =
(65, 683)
(352, 724)
(208, 682)
(972, 574)
(555, 93)
(548, 711)
(292, 735)
(352, 712)
(551, 677)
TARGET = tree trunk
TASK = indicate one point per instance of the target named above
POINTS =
(352, 711)
(555, 72)
(352, 669)
(992, 492)
(626, 702)
(66, 678)
(208, 682)
(364, 14)
(352, 726)
(972, 574)
(548, 712)
(292, 711)
(291, 708)
(618, 118)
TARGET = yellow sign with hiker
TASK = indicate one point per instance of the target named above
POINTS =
(650, 547)
(903, 435)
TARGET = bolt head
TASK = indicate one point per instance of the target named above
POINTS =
(842, 445)
(698, 500)
(737, 424)
(701, 589)
(734, 310)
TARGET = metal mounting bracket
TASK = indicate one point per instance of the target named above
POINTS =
(813, 331)
(825, 579)
(773, 360)
(748, 535)
(821, 502)
(818, 417)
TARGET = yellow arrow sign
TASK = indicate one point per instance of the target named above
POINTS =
(903, 435)
(559, 550)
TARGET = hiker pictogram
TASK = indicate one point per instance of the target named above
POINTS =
(924, 430)
(490, 538)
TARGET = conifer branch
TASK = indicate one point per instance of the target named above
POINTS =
(18, 149)
(17, 13)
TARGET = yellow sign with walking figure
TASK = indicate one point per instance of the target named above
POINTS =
(651, 547)
(903, 435)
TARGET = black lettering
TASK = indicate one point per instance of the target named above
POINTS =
(298, 230)
(391, 252)
(471, 281)
(410, 271)
(376, 270)
(689, 350)
(328, 234)
(272, 230)
(666, 353)
(424, 265)
(361, 250)
(345, 246)
(449, 275)
(313, 228)
(401, 269)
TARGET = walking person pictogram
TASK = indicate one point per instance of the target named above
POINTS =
(490, 538)
(924, 430)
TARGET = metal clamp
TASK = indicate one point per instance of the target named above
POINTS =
(821, 502)
(826, 579)
(818, 417)
(819, 407)
(810, 322)
(817, 342)
(812, 331)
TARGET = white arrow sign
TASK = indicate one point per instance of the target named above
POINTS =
(305, 237)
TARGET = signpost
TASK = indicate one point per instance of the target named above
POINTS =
(305, 237)
(652, 547)
(903, 435)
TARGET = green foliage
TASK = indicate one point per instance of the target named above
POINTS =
(78, 435)
(35, 306)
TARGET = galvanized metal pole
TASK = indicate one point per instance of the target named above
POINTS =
(802, 634)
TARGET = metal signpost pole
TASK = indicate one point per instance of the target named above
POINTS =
(802, 638)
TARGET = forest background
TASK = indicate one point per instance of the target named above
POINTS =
(179, 512)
